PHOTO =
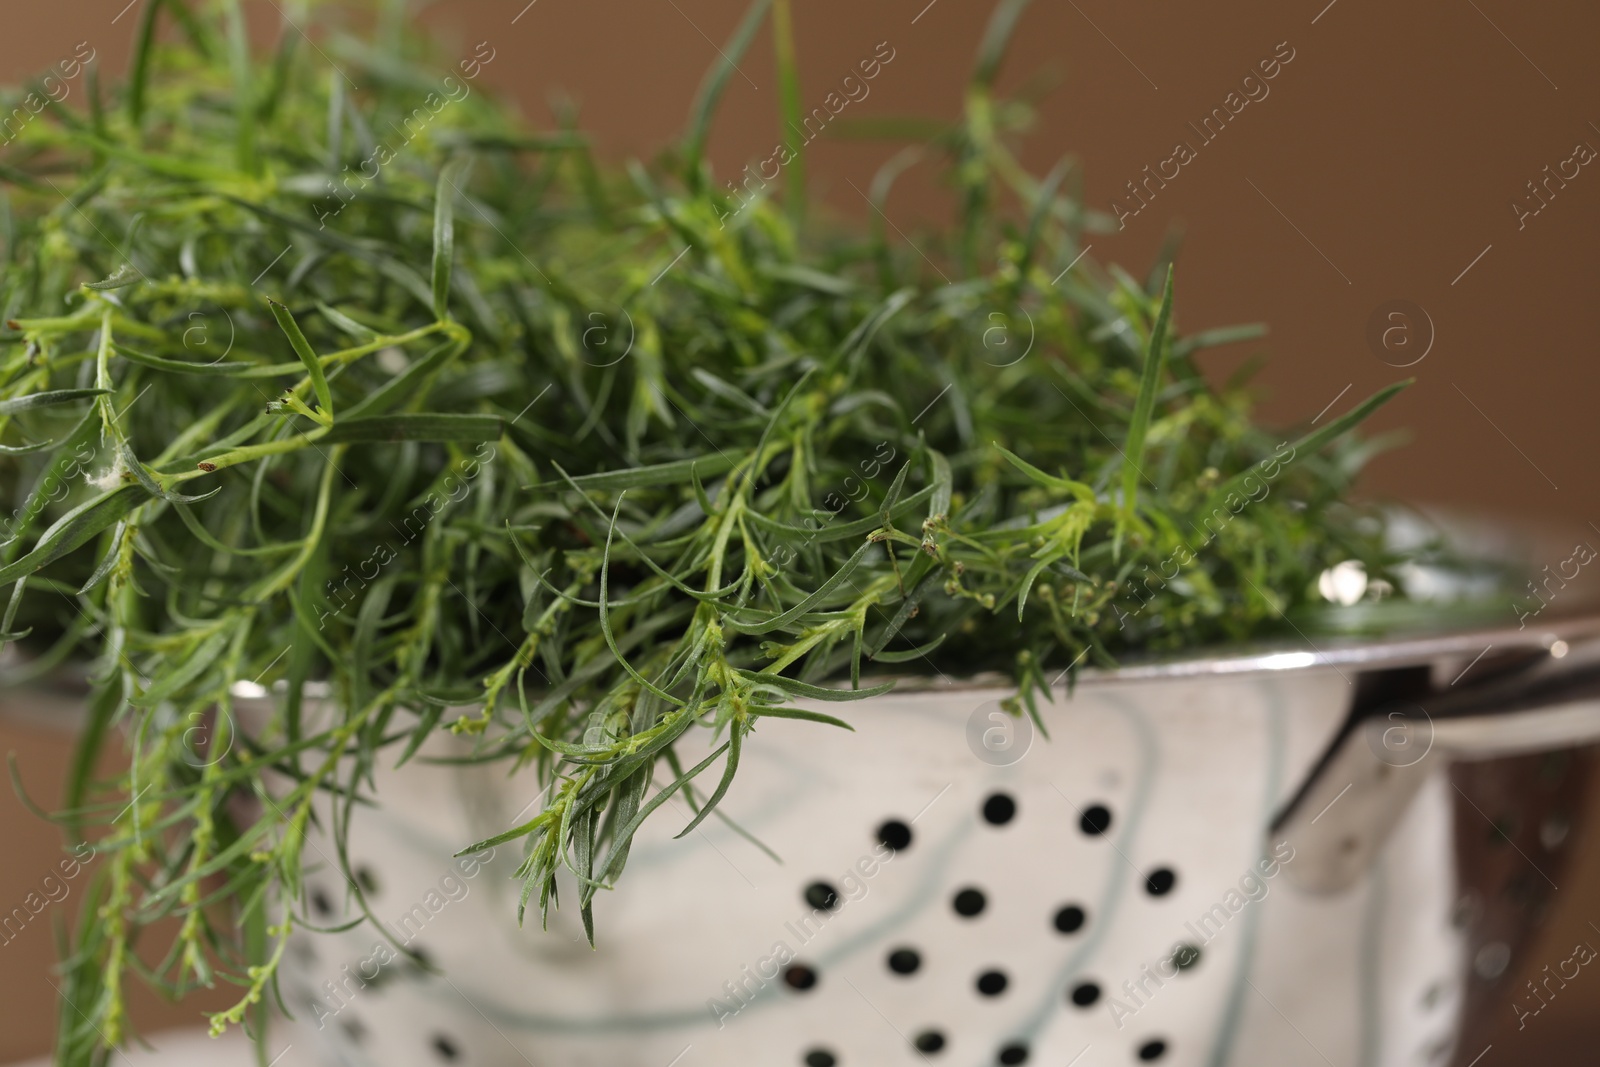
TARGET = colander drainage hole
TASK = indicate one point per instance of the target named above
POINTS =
(968, 902)
(895, 835)
(822, 895)
(1085, 994)
(999, 809)
(820, 1057)
(929, 1041)
(319, 901)
(1070, 919)
(1014, 1053)
(1095, 820)
(1153, 1050)
(800, 977)
(992, 983)
(1160, 881)
(904, 961)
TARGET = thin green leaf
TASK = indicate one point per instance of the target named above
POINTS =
(522, 830)
(674, 473)
(1078, 489)
(416, 427)
(822, 592)
(711, 88)
(795, 687)
(358, 332)
(625, 834)
(1144, 405)
(908, 655)
(605, 619)
(308, 358)
(1032, 575)
(203, 658)
(139, 69)
(124, 275)
(1226, 335)
(49, 399)
(148, 480)
(735, 743)
(1317, 439)
(996, 36)
(801, 713)
(444, 235)
(76, 528)
(789, 107)
(243, 92)
(216, 370)
(411, 382)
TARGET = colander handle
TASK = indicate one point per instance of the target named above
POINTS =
(1359, 790)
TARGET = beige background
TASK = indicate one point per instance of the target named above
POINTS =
(1382, 166)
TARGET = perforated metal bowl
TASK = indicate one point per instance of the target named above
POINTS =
(1223, 860)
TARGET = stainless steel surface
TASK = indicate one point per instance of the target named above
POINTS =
(1546, 700)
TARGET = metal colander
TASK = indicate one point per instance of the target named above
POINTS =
(1244, 860)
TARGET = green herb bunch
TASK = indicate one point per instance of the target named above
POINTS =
(308, 392)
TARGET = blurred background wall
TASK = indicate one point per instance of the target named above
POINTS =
(1378, 175)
